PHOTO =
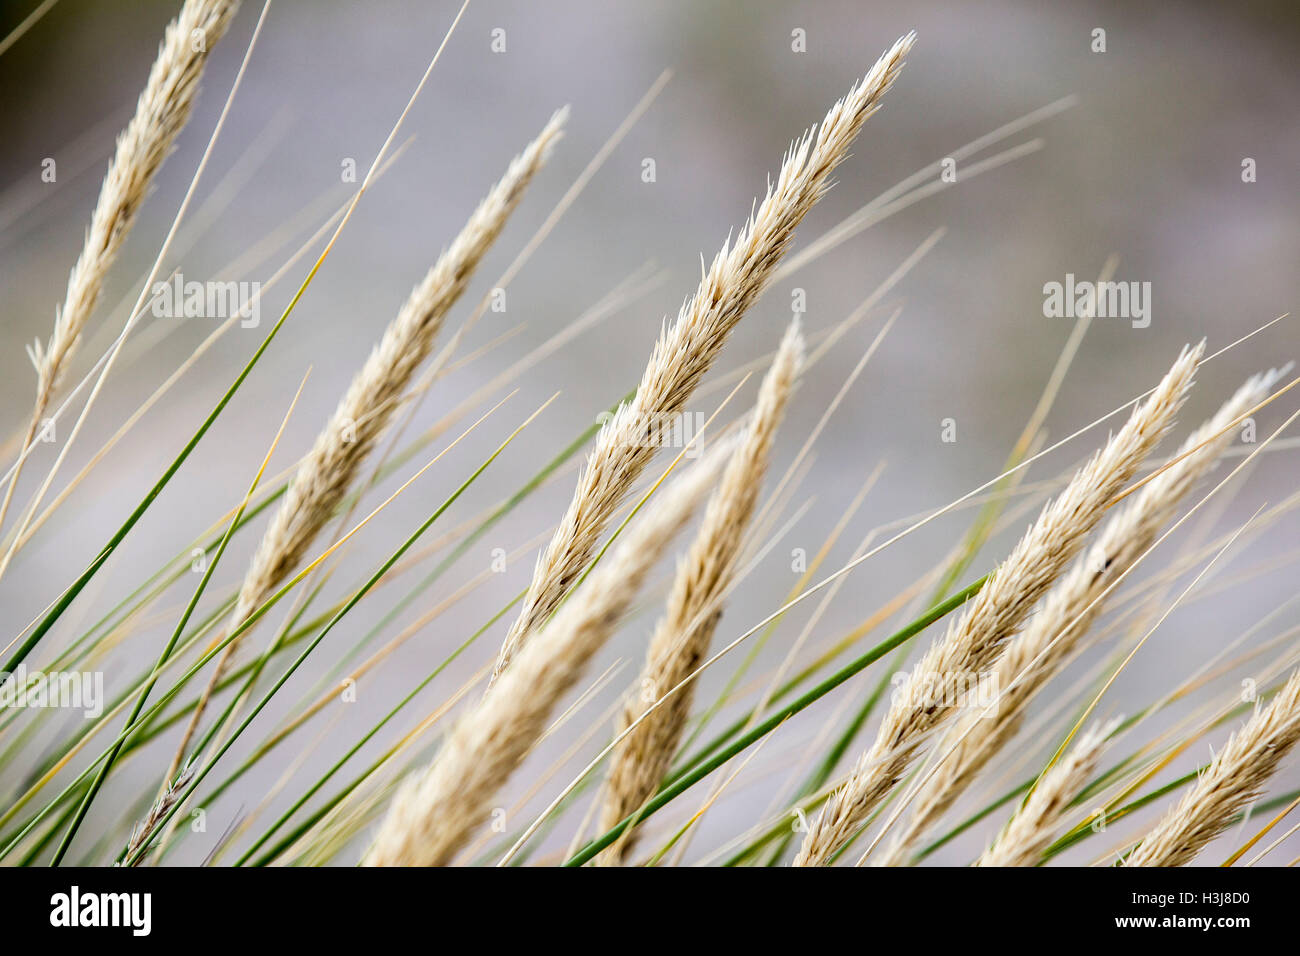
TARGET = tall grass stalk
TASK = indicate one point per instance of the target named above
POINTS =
(687, 349)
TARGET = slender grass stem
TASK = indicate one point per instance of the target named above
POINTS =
(691, 777)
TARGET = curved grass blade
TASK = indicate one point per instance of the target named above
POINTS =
(237, 632)
(690, 778)
(70, 594)
(315, 642)
(107, 766)
(338, 798)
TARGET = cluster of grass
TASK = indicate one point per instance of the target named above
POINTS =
(430, 791)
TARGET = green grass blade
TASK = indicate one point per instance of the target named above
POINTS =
(689, 779)
(315, 642)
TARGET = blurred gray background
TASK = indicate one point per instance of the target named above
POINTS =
(1146, 166)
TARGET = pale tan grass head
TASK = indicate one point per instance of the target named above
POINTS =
(682, 637)
(144, 830)
(160, 114)
(433, 815)
(1055, 632)
(687, 349)
(364, 412)
(329, 470)
(1235, 777)
(975, 640)
(1030, 832)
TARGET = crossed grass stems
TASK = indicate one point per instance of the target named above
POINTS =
(319, 834)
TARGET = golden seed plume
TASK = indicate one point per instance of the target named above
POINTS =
(160, 114)
(1234, 778)
(433, 814)
(376, 391)
(682, 636)
(144, 830)
(327, 472)
(975, 640)
(1030, 831)
(1054, 634)
(685, 350)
